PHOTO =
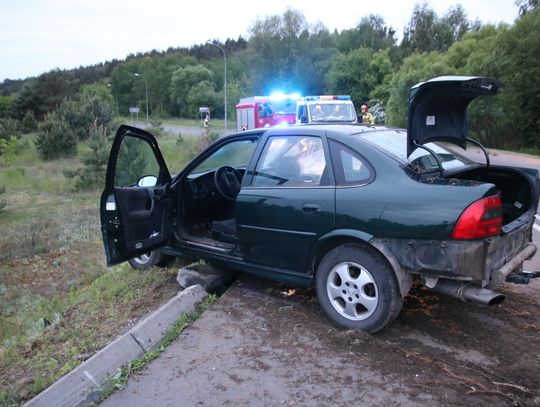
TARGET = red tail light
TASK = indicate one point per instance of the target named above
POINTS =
(481, 219)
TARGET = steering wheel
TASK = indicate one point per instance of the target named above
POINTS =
(228, 181)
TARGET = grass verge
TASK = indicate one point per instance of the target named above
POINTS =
(83, 322)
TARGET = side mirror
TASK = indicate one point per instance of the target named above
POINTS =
(147, 181)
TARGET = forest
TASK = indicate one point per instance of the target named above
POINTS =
(286, 53)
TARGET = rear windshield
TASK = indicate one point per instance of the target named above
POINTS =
(394, 143)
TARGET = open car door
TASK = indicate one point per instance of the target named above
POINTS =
(438, 109)
(136, 203)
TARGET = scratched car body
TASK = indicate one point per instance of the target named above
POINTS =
(354, 210)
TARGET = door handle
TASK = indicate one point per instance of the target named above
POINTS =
(310, 208)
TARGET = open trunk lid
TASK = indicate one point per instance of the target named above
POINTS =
(438, 108)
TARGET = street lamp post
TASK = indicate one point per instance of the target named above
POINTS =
(146, 92)
(115, 97)
(224, 79)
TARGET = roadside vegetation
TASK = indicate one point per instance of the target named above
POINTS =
(59, 303)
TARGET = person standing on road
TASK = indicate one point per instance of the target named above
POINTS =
(206, 125)
(367, 117)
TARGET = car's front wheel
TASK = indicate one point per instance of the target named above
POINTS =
(153, 258)
(357, 289)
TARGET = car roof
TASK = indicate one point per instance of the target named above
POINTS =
(335, 129)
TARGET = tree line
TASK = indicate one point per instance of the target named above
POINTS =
(285, 52)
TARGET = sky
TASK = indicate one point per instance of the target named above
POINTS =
(37, 36)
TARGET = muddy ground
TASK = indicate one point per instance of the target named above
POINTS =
(268, 344)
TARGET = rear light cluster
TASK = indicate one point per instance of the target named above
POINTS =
(482, 218)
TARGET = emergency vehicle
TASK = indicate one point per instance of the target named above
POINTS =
(325, 108)
(265, 111)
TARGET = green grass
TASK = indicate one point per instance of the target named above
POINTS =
(530, 151)
(81, 322)
(59, 302)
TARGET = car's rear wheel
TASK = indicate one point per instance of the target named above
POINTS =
(357, 288)
(153, 258)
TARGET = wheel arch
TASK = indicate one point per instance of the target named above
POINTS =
(340, 237)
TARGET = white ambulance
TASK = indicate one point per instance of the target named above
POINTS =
(325, 109)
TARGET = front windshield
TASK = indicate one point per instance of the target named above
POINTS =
(285, 106)
(235, 154)
(394, 143)
(332, 112)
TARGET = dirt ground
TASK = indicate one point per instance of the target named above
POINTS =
(268, 344)
(461, 353)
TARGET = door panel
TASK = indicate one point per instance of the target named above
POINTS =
(143, 214)
(277, 227)
(135, 214)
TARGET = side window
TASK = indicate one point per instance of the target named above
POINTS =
(350, 168)
(294, 161)
(135, 161)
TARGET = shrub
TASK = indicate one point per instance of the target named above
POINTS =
(55, 138)
(92, 174)
(82, 116)
(180, 140)
(29, 122)
(208, 139)
(8, 150)
(9, 128)
(98, 112)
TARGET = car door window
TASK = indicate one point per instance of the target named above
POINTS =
(350, 167)
(135, 161)
(291, 161)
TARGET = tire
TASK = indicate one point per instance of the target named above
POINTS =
(357, 288)
(150, 259)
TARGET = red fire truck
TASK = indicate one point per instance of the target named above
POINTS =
(265, 111)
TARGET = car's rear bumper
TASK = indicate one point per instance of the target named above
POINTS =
(467, 260)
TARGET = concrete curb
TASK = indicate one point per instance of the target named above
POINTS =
(83, 384)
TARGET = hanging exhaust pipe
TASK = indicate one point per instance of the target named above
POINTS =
(466, 292)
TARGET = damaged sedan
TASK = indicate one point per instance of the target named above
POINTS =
(356, 211)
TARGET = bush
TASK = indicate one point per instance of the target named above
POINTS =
(55, 138)
(82, 116)
(9, 128)
(92, 174)
(208, 139)
(8, 150)
(29, 122)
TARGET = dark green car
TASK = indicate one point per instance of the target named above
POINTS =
(354, 210)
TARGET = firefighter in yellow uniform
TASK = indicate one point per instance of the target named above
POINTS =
(367, 117)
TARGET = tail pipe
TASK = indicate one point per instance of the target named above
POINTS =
(468, 292)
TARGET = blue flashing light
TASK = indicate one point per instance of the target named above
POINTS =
(327, 97)
(277, 95)
(284, 96)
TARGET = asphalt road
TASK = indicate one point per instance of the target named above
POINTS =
(185, 131)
